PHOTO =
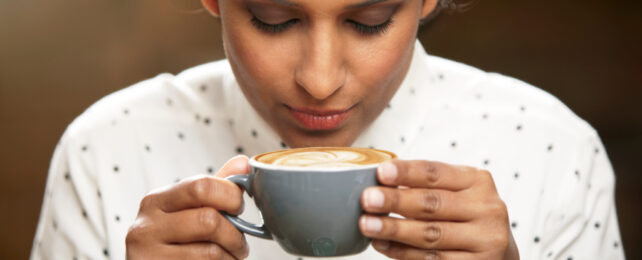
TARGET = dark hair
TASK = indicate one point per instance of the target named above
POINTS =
(450, 6)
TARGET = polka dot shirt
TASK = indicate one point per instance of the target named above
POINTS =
(549, 165)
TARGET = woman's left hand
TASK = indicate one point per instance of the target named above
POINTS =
(451, 212)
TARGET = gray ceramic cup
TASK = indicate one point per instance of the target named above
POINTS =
(309, 212)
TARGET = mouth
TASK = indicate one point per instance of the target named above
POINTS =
(314, 119)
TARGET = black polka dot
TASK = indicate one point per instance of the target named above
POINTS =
(597, 225)
(169, 101)
(486, 162)
(478, 96)
(67, 176)
(239, 149)
(231, 122)
(206, 121)
(75, 258)
(522, 108)
(283, 145)
(597, 150)
(388, 106)
(550, 147)
(519, 128)
(177, 180)
(536, 239)
(453, 144)
(254, 133)
(148, 148)
(513, 225)
(181, 136)
(203, 87)
(402, 139)
(577, 173)
(516, 175)
(299, 258)
(197, 117)
(100, 195)
(549, 254)
(55, 225)
(84, 213)
(210, 170)
(117, 218)
(440, 76)
(84, 148)
(371, 147)
(412, 91)
(485, 116)
(569, 258)
(116, 169)
(105, 252)
(126, 111)
(616, 244)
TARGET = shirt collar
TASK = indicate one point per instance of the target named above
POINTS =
(395, 127)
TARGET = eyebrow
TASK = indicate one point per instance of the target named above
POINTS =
(352, 6)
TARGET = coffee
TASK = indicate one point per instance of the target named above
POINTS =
(326, 157)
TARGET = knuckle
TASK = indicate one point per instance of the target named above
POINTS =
(208, 219)
(137, 232)
(433, 255)
(485, 176)
(431, 234)
(497, 208)
(390, 228)
(147, 202)
(430, 172)
(212, 252)
(430, 203)
(200, 188)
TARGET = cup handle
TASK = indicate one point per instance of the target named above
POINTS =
(243, 180)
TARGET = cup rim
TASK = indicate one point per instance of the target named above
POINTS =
(255, 163)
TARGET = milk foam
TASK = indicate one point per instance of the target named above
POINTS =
(326, 157)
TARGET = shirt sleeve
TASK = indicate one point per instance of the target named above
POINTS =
(589, 229)
(70, 224)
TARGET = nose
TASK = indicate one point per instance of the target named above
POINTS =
(321, 70)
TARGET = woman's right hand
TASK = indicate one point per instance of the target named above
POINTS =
(182, 221)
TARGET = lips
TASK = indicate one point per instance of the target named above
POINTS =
(319, 119)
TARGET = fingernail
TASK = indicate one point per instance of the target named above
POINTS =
(372, 224)
(374, 198)
(381, 245)
(387, 172)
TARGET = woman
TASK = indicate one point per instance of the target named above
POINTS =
(501, 169)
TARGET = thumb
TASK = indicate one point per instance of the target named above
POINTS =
(237, 165)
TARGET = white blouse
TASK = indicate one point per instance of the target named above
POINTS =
(549, 166)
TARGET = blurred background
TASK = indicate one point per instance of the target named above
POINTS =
(58, 57)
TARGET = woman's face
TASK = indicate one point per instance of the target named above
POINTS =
(319, 72)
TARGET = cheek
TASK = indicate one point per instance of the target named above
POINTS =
(382, 64)
(259, 65)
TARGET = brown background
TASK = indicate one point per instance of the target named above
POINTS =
(57, 57)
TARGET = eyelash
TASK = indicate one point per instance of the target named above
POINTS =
(361, 28)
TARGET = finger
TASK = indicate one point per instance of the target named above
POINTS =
(427, 235)
(197, 192)
(201, 250)
(401, 251)
(237, 165)
(425, 204)
(202, 225)
(426, 174)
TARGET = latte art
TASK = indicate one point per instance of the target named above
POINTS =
(326, 157)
